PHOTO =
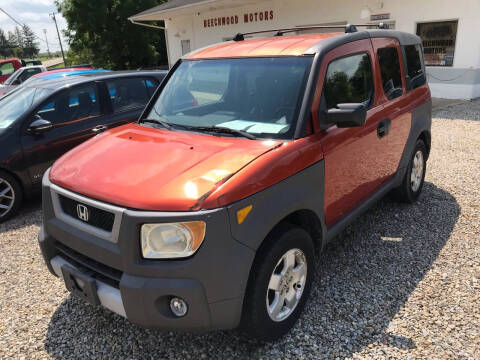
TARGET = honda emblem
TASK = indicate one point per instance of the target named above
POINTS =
(82, 212)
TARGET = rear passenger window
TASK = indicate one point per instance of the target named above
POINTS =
(349, 80)
(27, 73)
(413, 54)
(78, 103)
(390, 70)
(130, 93)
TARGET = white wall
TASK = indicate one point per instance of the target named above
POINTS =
(406, 13)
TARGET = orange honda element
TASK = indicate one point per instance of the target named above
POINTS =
(208, 212)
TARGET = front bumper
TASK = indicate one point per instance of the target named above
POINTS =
(212, 281)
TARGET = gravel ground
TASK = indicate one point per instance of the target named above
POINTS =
(401, 282)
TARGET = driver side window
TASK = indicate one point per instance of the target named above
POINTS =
(349, 80)
(75, 104)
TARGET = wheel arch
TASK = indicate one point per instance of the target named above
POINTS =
(16, 177)
(307, 220)
(426, 137)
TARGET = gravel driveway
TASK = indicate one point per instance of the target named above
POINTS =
(401, 282)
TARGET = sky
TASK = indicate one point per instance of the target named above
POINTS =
(34, 13)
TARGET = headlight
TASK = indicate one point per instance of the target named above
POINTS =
(171, 240)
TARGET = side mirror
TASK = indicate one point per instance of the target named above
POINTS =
(347, 115)
(39, 125)
(16, 82)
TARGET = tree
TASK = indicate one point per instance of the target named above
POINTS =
(15, 40)
(30, 44)
(5, 50)
(99, 33)
(19, 39)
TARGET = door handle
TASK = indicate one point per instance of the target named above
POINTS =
(98, 129)
(383, 127)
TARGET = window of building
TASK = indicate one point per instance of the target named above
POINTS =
(413, 54)
(349, 80)
(438, 40)
(129, 93)
(390, 70)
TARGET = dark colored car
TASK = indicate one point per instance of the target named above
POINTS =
(41, 122)
(253, 154)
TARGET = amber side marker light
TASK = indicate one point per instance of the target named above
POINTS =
(242, 213)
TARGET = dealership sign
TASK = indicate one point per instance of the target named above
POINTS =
(250, 17)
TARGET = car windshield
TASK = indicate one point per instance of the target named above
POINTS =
(259, 96)
(13, 105)
(12, 77)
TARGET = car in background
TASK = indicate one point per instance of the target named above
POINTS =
(19, 76)
(42, 120)
(8, 67)
(31, 62)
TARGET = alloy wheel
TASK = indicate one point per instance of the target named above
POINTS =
(286, 284)
(417, 171)
(7, 197)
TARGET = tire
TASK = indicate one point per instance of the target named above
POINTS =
(11, 196)
(269, 264)
(409, 190)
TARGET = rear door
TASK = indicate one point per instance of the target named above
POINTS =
(127, 97)
(396, 113)
(74, 113)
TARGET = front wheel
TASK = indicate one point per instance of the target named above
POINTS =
(10, 196)
(279, 284)
(412, 183)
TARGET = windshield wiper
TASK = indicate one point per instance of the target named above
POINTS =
(224, 130)
(165, 124)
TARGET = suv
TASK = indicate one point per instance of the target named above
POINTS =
(252, 155)
(43, 119)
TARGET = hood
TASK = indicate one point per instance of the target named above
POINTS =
(154, 169)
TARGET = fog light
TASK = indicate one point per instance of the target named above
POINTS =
(178, 306)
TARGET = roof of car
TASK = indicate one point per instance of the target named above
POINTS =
(60, 82)
(294, 45)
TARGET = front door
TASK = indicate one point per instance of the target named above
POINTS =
(354, 157)
(74, 113)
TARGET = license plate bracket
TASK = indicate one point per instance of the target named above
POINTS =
(80, 284)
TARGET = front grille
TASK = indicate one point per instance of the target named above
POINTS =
(100, 271)
(96, 217)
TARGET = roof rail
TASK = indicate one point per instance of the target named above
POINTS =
(348, 28)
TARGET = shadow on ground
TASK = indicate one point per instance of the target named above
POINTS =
(29, 214)
(362, 281)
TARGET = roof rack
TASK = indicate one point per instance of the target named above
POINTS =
(349, 28)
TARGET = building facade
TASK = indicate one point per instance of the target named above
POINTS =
(449, 30)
